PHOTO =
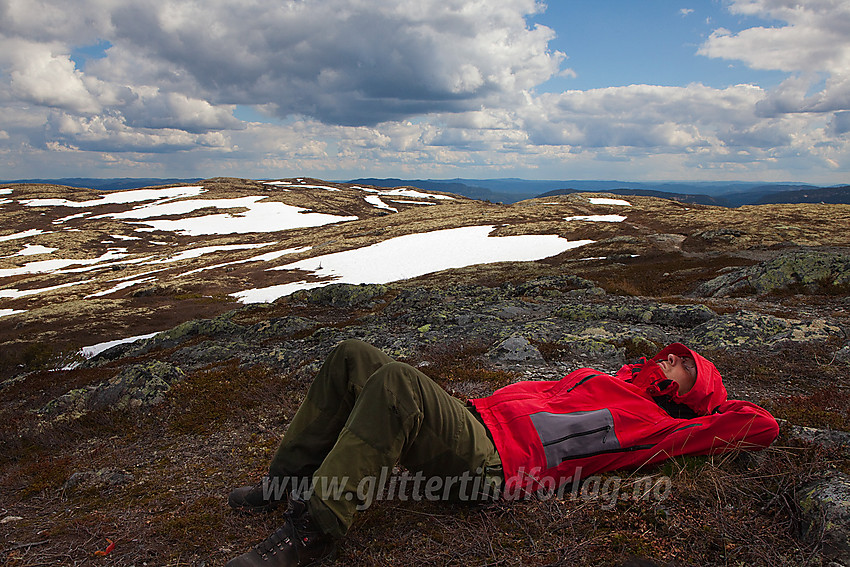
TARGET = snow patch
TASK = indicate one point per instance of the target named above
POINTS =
(119, 287)
(16, 293)
(24, 234)
(375, 201)
(267, 257)
(606, 201)
(198, 252)
(7, 312)
(414, 194)
(597, 218)
(47, 266)
(413, 255)
(71, 217)
(119, 197)
(267, 216)
(90, 351)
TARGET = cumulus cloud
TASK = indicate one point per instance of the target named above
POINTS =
(812, 44)
(39, 75)
(342, 62)
(446, 87)
(112, 134)
(643, 116)
(814, 37)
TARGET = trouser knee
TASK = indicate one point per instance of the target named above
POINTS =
(398, 378)
(351, 346)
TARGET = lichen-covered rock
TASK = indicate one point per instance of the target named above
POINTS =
(831, 438)
(825, 505)
(753, 330)
(842, 355)
(803, 271)
(135, 386)
(279, 327)
(218, 326)
(101, 479)
(341, 295)
(662, 314)
(725, 235)
(593, 350)
(515, 349)
(553, 286)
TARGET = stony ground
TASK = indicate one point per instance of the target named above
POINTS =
(141, 444)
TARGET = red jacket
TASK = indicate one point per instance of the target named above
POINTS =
(589, 422)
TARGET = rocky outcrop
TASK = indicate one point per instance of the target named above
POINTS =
(517, 323)
(342, 295)
(798, 271)
(101, 480)
(135, 386)
(825, 506)
(759, 331)
(515, 349)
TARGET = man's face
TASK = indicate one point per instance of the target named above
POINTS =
(681, 370)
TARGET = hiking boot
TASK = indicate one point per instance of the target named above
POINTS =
(297, 543)
(264, 496)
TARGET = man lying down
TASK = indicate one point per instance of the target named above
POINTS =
(365, 412)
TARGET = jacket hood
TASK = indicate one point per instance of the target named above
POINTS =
(708, 391)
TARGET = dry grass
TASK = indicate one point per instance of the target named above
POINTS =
(730, 510)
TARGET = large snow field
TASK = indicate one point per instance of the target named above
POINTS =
(414, 255)
(119, 197)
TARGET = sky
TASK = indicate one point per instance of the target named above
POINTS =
(653, 90)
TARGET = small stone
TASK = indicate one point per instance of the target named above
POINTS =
(516, 349)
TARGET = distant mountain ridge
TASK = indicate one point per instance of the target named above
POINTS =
(723, 194)
(511, 190)
(109, 183)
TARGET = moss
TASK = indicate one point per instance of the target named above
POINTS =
(37, 475)
(825, 408)
(465, 362)
(201, 516)
(206, 399)
(635, 347)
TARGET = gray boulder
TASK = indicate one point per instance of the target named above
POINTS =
(135, 386)
(755, 330)
(825, 507)
(810, 272)
(516, 349)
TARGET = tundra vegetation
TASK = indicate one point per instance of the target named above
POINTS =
(140, 443)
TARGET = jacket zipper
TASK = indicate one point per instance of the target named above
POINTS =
(605, 428)
(582, 381)
(620, 450)
(687, 427)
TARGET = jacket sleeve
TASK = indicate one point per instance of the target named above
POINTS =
(734, 425)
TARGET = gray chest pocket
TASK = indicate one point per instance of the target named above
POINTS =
(575, 435)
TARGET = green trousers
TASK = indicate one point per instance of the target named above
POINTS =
(363, 414)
